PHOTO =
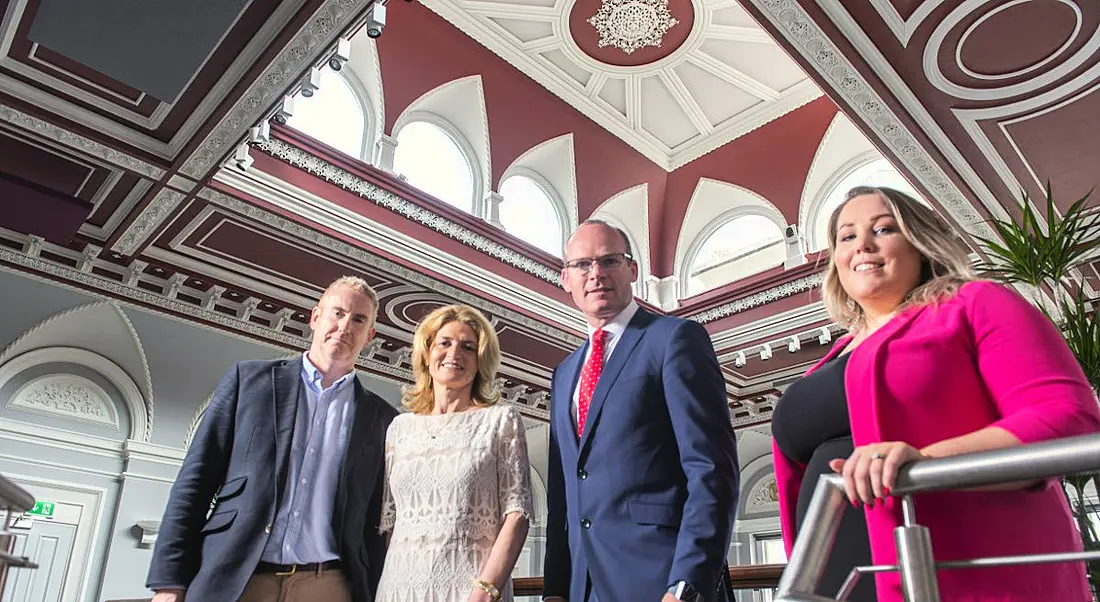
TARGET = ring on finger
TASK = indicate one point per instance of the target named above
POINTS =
(877, 456)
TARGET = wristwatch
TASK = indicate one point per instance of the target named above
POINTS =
(682, 590)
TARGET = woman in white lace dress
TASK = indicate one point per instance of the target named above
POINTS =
(458, 485)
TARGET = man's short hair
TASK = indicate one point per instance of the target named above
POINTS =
(618, 230)
(359, 285)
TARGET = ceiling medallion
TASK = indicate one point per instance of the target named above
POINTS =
(632, 24)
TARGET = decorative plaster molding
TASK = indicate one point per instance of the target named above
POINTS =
(389, 200)
(355, 253)
(379, 362)
(763, 497)
(80, 143)
(333, 17)
(150, 218)
(632, 24)
(66, 396)
(140, 409)
(815, 47)
(786, 289)
(146, 387)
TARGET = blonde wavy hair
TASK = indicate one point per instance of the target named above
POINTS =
(945, 262)
(420, 397)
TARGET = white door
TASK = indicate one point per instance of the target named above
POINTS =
(49, 545)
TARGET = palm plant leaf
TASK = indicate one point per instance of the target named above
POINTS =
(1082, 333)
(1024, 252)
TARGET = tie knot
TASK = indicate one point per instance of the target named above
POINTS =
(599, 337)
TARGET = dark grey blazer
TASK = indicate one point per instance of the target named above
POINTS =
(240, 453)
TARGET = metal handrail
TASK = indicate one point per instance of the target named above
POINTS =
(13, 497)
(1061, 457)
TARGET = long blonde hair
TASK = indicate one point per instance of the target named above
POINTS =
(945, 261)
(420, 397)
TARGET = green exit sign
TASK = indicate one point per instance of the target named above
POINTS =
(42, 508)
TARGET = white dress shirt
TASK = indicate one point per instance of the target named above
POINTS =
(614, 330)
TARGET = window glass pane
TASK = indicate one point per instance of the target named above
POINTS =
(528, 213)
(876, 173)
(332, 115)
(742, 247)
(430, 160)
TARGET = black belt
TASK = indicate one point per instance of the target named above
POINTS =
(290, 569)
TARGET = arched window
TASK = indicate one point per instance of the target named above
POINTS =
(530, 213)
(875, 173)
(431, 160)
(741, 247)
(334, 115)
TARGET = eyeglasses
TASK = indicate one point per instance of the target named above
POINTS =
(611, 261)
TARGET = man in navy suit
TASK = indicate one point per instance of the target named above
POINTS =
(643, 475)
(291, 453)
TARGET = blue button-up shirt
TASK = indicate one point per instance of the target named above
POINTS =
(302, 532)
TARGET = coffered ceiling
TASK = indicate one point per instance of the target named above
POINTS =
(675, 79)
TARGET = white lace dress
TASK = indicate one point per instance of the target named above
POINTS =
(450, 480)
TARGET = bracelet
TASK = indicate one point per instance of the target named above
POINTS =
(489, 588)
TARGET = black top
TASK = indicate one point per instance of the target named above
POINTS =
(811, 427)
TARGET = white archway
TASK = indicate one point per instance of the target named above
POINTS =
(140, 410)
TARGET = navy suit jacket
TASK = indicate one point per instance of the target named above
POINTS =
(647, 496)
(241, 454)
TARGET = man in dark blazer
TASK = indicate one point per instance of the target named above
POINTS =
(643, 475)
(281, 488)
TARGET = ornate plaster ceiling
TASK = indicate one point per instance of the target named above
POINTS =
(675, 79)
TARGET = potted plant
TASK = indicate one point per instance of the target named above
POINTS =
(1045, 261)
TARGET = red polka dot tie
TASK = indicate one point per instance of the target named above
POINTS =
(589, 375)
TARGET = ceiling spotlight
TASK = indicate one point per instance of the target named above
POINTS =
(376, 20)
(739, 359)
(242, 159)
(341, 55)
(311, 82)
(825, 336)
(285, 111)
(260, 133)
(766, 352)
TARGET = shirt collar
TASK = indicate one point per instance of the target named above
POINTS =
(618, 324)
(315, 378)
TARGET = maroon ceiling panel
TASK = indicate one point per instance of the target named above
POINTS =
(92, 186)
(34, 209)
(113, 200)
(259, 249)
(531, 349)
(1044, 138)
(44, 167)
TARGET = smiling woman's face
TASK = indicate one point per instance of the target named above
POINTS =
(876, 264)
(452, 361)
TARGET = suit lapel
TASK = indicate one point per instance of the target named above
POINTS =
(287, 385)
(569, 373)
(611, 370)
(366, 410)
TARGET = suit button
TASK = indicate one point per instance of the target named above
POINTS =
(582, 475)
(267, 529)
(586, 523)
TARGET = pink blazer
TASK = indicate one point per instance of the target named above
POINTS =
(986, 357)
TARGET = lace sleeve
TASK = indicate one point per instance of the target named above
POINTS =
(513, 467)
(389, 509)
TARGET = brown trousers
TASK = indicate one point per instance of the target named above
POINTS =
(325, 586)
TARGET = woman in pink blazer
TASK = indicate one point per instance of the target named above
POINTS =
(937, 363)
